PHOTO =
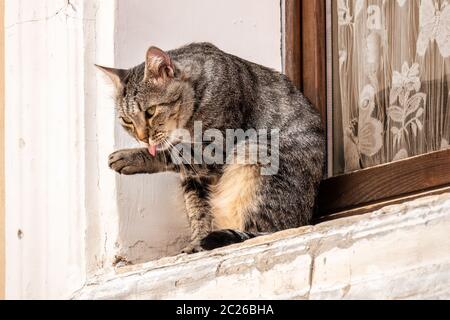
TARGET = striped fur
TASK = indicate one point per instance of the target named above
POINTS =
(225, 203)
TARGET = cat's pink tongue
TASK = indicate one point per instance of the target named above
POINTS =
(152, 150)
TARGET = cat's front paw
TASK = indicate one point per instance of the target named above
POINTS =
(128, 162)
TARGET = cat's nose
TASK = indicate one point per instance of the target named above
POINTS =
(142, 134)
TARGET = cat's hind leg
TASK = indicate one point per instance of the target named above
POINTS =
(246, 204)
(235, 196)
(235, 199)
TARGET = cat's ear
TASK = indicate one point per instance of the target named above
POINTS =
(158, 66)
(117, 76)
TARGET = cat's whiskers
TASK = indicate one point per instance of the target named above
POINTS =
(193, 142)
(182, 156)
(165, 158)
(167, 145)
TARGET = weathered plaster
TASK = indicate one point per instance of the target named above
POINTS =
(398, 252)
(45, 147)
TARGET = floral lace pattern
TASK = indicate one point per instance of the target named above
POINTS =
(394, 99)
(408, 113)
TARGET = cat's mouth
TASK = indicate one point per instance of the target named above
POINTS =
(153, 149)
(156, 144)
(163, 144)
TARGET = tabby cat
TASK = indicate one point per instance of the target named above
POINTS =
(232, 202)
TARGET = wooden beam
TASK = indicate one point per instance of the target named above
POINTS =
(385, 182)
(380, 204)
(293, 40)
(313, 54)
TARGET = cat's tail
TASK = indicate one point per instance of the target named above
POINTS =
(222, 238)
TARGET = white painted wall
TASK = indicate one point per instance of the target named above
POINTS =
(75, 214)
(45, 149)
(250, 28)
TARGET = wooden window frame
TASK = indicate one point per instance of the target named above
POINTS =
(367, 189)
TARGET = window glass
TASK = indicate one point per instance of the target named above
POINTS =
(391, 61)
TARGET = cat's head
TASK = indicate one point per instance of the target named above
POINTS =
(153, 100)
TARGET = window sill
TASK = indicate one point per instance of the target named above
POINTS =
(385, 182)
(400, 251)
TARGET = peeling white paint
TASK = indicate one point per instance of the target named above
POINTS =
(45, 148)
(399, 252)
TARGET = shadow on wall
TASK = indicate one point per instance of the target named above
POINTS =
(152, 216)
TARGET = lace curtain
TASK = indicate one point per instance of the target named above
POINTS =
(391, 80)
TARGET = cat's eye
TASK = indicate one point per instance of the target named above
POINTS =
(126, 121)
(150, 112)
